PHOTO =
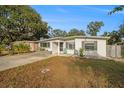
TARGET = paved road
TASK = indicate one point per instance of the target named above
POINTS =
(7, 62)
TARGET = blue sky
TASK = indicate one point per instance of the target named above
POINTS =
(78, 16)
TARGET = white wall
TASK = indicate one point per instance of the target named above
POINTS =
(69, 51)
(101, 45)
(54, 48)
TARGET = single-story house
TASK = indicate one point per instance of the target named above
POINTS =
(92, 45)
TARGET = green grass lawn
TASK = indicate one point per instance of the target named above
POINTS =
(65, 72)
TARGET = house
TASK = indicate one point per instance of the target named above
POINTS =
(92, 45)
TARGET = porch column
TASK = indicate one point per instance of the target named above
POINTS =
(58, 47)
(39, 46)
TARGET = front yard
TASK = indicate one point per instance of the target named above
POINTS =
(65, 72)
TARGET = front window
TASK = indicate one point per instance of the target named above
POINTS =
(70, 45)
(45, 45)
(90, 46)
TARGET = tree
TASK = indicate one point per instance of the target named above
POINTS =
(117, 35)
(106, 34)
(121, 30)
(121, 27)
(116, 9)
(50, 30)
(20, 23)
(76, 32)
(94, 27)
(58, 33)
(114, 37)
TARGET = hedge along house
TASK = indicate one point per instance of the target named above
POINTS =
(92, 45)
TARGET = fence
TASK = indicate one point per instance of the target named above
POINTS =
(114, 51)
(122, 51)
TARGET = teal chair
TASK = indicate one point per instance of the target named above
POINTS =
(65, 51)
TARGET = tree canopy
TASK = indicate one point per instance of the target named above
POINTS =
(58, 33)
(20, 23)
(94, 27)
(121, 29)
(116, 9)
(115, 37)
(62, 33)
(106, 34)
(76, 32)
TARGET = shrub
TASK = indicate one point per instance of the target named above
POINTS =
(21, 48)
(2, 48)
(81, 52)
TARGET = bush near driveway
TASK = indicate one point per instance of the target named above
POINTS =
(15, 49)
(20, 48)
(3, 50)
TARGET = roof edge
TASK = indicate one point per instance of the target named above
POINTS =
(73, 37)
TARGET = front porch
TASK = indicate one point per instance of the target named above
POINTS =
(58, 47)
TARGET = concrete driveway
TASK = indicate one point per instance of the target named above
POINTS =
(7, 62)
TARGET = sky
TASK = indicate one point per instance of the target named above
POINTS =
(66, 17)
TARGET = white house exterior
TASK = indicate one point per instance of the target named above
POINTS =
(92, 45)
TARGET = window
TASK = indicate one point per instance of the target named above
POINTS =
(70, 45)
(61, 46)
(90, 46)
(46, 45)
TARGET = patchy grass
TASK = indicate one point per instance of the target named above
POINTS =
(65, 72)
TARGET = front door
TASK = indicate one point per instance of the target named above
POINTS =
(54, 48)
(61, 46)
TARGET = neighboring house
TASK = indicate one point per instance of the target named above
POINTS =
(92, 45)
(34, 45)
